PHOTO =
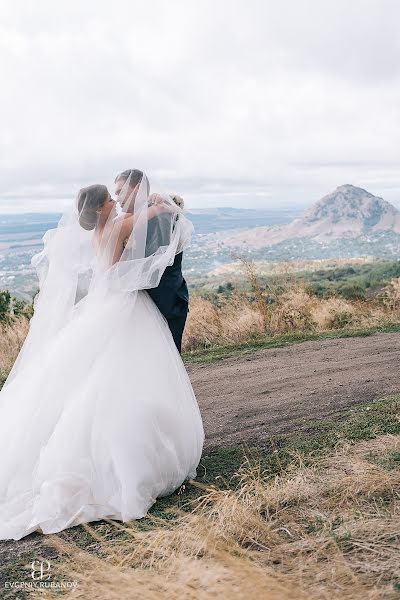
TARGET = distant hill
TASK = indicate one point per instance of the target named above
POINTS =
(208, 220)
(348, 213)
(205, 220)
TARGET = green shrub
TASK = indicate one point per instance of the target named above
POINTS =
(341, 320)
(352, 292)
(5, 305)
(12, 307)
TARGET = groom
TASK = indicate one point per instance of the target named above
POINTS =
(171, 296)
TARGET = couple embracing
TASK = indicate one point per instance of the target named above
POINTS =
(98, 417)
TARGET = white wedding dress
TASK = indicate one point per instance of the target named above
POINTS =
(99, 424)
(98, 417)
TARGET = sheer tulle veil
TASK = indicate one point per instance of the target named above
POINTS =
(87, 257)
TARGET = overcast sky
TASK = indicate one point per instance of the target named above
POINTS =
(237, 103)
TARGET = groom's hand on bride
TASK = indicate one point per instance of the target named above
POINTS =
(156, 199)
(162, 204)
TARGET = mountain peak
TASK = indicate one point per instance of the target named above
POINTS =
(349, 187)
(351, 211)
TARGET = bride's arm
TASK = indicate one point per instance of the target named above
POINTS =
(128, 222)
(125, 230)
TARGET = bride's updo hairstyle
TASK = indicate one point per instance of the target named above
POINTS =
(178, 200)
(90, 201)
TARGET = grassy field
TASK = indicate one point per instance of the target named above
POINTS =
(305, 516)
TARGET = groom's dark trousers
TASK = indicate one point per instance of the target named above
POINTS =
(172, 298)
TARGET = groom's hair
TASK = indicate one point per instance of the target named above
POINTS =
(134, 176)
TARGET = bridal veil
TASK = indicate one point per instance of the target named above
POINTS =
(74, 268)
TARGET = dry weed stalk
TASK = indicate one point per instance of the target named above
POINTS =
(250, 271)
(391, 294)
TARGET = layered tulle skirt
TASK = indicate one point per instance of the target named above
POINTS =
(99, 424)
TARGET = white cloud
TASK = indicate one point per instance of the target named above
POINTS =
(235, 103)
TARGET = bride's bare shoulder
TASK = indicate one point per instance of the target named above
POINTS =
(124, 222)
(123, 217)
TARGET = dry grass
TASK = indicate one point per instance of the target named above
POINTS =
(235, 320)
(284, 308)
(327, 531)
(12, 336)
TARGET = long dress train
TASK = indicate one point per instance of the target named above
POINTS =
(100, 424)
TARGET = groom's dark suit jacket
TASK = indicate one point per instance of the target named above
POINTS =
(171, 296)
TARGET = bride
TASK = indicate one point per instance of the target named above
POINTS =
(98, 417)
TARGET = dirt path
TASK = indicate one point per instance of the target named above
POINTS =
(247, 398)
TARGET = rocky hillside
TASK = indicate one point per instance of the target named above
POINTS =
(349, 213)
